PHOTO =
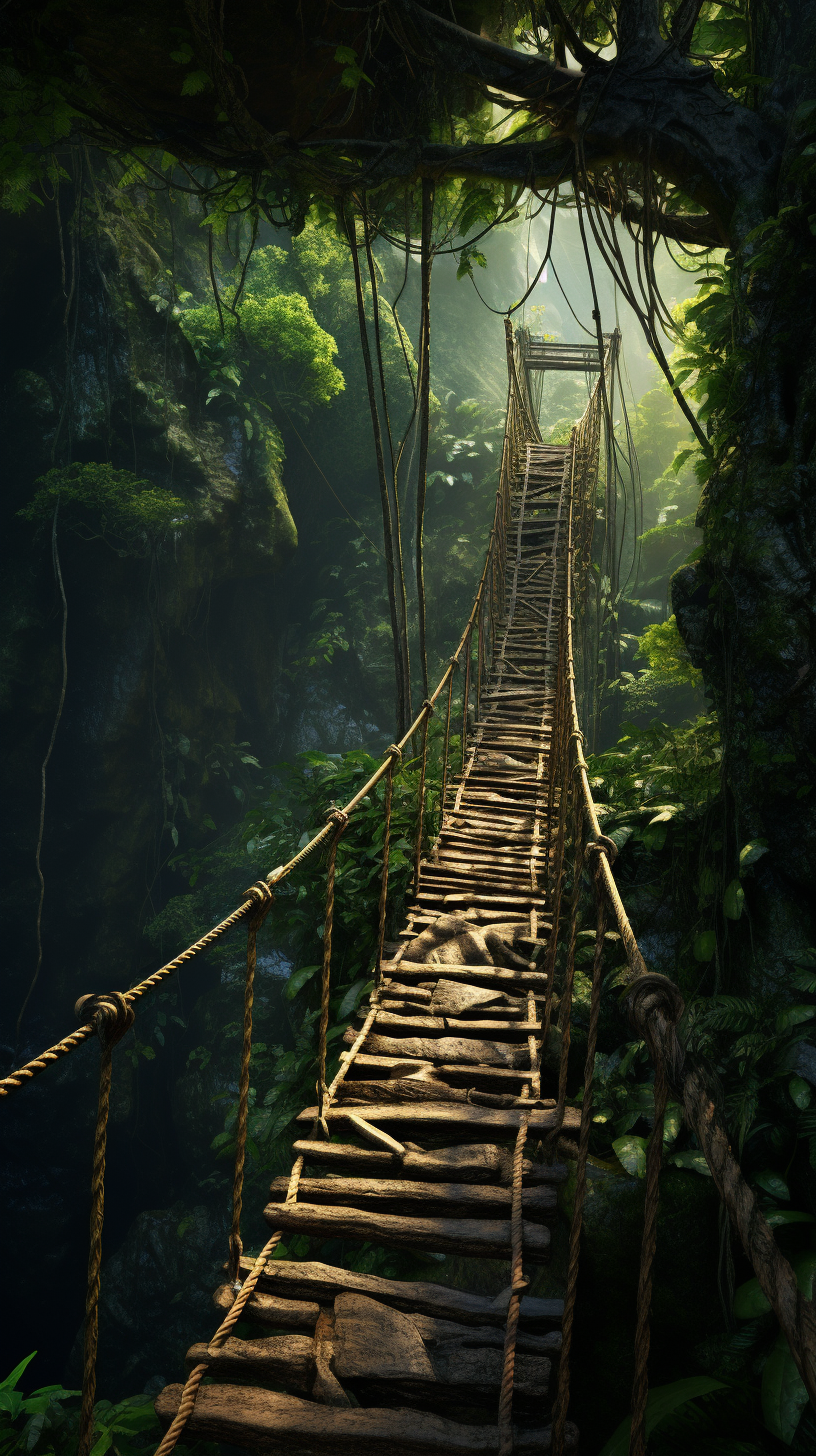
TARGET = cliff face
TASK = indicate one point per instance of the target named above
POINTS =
(153, 670)
(171, 654)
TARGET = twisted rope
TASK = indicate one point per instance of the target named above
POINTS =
(394, 753)
(339, 820)
(236, 1247)
(561, 1405)
(110, 1016)
(518, 1284)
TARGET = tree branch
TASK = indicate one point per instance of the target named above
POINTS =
(496, 65)
(683, 22)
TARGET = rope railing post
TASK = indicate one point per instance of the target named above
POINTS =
(420, 825)
(264, 904)
(112, 1017)
(339, 819)
(394, 753)
(518, 1284)
(466, 695)
(446, 749)
(561, 1405)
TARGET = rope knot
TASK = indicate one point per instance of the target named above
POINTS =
(603, 845)
(653, 996)
(338, 818)
(394, 752)
(428, 705)
(111, 1014)
(260, 893)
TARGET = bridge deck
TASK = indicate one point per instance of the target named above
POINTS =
(340, 1361)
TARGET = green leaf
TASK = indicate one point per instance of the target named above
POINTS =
(776, 1217)
(11, 1380)
(193, 83)
(784, 1396)
(794, 1016)
(353, 996)
(750, 853)
(772, 1183)
(695, 1161)
(749, 1301)
(298, 980)
(249, 429)
(661, 1402)
(631, 1154)
(705, 945)
(800, 1092)
(733, 900)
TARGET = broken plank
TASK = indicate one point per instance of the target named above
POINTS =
(285, 1358)
(285, 1314)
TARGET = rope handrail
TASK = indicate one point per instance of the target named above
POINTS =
(655, 1008)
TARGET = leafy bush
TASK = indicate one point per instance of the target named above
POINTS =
(101, 503)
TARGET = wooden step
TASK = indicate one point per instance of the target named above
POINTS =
(321, 1283)
(456, 1117)
(406, 1196)
(267, 1420)
(476, 1238)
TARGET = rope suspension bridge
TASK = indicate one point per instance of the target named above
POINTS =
(447, 1126)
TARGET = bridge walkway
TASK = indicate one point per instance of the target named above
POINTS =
(423, 1126)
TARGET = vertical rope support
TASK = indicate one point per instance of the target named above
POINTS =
(395, 753)
(236, 1247)
(479, 656)
(466, 696)
(654, 1157)
(565, 1008)
(517, 1286)
(112, 1016)
(561, 1405)
(446, 750)
(428, 706)
(340, 820)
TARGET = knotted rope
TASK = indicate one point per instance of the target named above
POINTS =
(111, 1016)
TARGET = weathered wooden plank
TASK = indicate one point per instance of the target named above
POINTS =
(396, 1195)
(267, 1420)
(284, 1314)
(461, 1118)
(465, 1237)
(374, 1339)
(287, 1358)
(488, 974)
(470, 1163)
(437, 1332)
(321, 1283)
(445, 1049)
(494, 1029)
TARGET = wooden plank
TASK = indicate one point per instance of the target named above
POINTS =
(373, 1339)
(284, 1314)
(397, 1195)
(461, 1118)
(287, 1358)
(444, 1049)
(470, 1163)
(321, 1283)
(267, 1420)
(494, 1028)
(466, 1237)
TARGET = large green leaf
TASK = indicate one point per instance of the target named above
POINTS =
(749, 1301)
(705, 945)
(733, 900)
(784, 1396)
(662, 1401)
(11, 1380)
(631, 1153)
(298, 980)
